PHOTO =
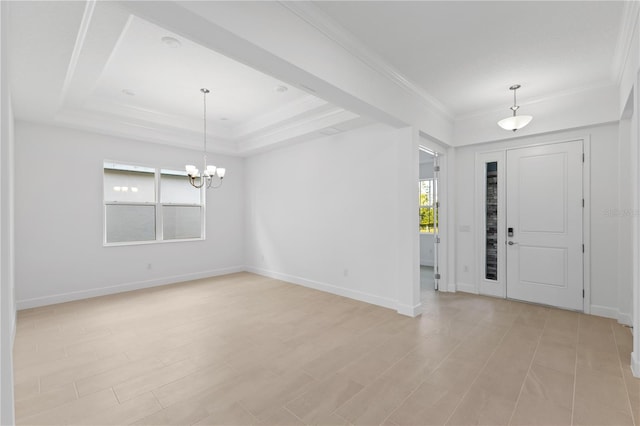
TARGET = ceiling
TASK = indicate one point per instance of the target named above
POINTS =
(131, 75)
(466, 54)
(97, 66)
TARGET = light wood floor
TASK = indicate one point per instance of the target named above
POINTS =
(244, 349)
(427, 282)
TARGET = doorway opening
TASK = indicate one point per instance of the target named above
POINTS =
(428, 221)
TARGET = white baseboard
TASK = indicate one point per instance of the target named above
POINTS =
(329, 288)
(625, 319)
(410, 311)
(467, 288)
(609, 312)
(447, 286)
(120, 288)
(635, 364)
(604, 311)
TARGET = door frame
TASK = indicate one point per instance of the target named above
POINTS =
(435, 176)
(501, 155)
(445, 158)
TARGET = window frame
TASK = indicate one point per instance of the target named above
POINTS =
(159, 223)
(430, 205)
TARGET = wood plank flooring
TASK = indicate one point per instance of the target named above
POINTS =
(243, 349)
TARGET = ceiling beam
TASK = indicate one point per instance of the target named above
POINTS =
(271, 38)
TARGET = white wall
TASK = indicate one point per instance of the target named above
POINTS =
(635, 197)
(7, 303)
(625, 214)
(325, 213)
(604, 199)
(59, 219)
(629, 83)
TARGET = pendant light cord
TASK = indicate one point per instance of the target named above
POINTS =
(204, 97)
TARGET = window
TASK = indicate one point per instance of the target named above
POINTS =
(181, 207)
(428, 216)
(491, 222)
(144, 204)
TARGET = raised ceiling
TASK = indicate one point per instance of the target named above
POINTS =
(97, 66)
(153, 69)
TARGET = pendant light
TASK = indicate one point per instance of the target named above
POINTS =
(515, 122)
(210, 173)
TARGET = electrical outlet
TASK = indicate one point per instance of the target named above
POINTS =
(466, 268)
(149, 266)
(345, 272)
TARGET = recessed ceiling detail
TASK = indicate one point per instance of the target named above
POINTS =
(330, 131)
(172, 42)
(135, 79)
(164, 79)
(74, 63)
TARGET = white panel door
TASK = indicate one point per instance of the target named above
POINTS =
(544, 225)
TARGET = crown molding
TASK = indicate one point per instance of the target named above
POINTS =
(327, 26)
(85, 23)
(140, 114)
(287, 112)
(302, 127)
(538, 99)
(306, 129)
(297, 111)
(133, 128)
(630, 13)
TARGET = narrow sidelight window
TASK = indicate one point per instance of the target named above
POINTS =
(491, 220)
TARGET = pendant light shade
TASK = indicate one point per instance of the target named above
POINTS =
(515, 122)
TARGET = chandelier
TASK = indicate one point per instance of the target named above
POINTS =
(210, 173)
(515, 122)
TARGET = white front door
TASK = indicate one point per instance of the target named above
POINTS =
(544, 225)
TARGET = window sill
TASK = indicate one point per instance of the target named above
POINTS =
(144, 243)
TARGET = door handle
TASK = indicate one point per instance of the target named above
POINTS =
(512, 243)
